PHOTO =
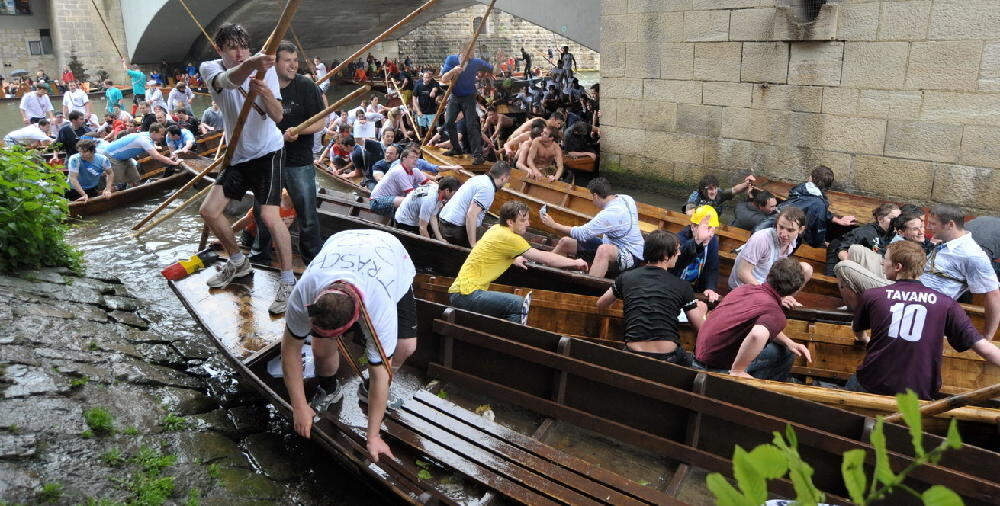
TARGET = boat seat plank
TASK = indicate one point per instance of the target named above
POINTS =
(450, 453)
(597, 482)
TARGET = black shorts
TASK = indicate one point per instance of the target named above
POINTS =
(264, 176)
(406, 316)
(454, 234)
(138, 98)
(678, 356)
(408, 228)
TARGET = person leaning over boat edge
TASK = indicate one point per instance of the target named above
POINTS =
(653, 298)
(745, 336)
(766, 247)
(358, 276)
(611, 238)
(461, 217)
(501, 246)
(419, 209)
(908, 323)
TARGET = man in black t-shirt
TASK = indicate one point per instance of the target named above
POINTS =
(70, 133)
(654, 299)
(424, 103)
(300, 100)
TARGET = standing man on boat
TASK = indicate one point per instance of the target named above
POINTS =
(113, 96)
(180, 98)
(75, 99)
(567, 62)
(612, 238)
(258, 161)
(745, 336)
(36, 105)
(300, 100)
(908, 323)
(958, 265)
(463, 214)
(462, 77)
(361, 282)
(501, 246)
(767, 246)
(420, 208)
(653, 300)
(155, 97)
(138, 82)
(424, 103)
(124, 151)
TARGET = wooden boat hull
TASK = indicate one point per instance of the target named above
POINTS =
(132, 195)
(669, 412)
(834, 353)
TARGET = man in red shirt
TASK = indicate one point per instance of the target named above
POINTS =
(745, 336)
(908, 323)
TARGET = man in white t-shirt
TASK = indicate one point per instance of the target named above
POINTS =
(420, 208)
(363, 128)
(959, 264)
(75, 99)
(31, 136)
(36, 105)
(463, 214)
(612, 238)
(767, 246)
(180, 97)
(320, 72)
(257, 163)
(359, 276)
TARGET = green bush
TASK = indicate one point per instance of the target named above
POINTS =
(101, 422)
(33, 211)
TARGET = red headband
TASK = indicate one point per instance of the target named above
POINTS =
(351, 292)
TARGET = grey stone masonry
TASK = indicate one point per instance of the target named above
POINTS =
(430, 43)
(77, 29)
(900, 98)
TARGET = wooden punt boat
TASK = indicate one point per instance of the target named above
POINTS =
(579, 423)
(834, 354)
(354, 184)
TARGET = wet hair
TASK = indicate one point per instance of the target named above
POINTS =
(499, 170)
(786, 276)
(908, 254)
(173, 130)
(761, 197)
(232, 35)
(509, 211)
(660, 245)
(285, 47)
(75, 115)
(706, 181)
(536, 131)
(331, 311)
(947, 212)
(793, 214)
(448, 183)
(822, 177)
(884, 210)
(87, 145)
(155, 128)
(600, 186)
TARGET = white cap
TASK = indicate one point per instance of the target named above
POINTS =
(152, 82)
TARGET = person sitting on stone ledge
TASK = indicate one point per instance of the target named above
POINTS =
(709, 193)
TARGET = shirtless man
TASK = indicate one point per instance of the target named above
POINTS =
(495, 123)
(545, 153)
(513, 145)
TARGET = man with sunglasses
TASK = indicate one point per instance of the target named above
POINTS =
(959, 265)
(360, 281)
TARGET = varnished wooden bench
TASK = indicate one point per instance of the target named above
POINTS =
(520, 467)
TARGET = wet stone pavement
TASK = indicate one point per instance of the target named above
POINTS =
(97, 408)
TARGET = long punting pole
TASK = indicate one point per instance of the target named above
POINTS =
(269, 48)
(376, 40)
(406, 107)
(202, 28)
(949, 403)
(464, 60)
(101, 16)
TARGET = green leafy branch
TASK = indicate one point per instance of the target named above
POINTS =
(781, 459)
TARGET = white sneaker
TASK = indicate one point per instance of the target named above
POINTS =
(229, 272)
(322, 399)
(281, 298)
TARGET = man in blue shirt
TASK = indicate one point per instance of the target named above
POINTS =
(138, 79)
(85, 170)
(463, 98)
(179, 140)
(122, 153)
(113, 95)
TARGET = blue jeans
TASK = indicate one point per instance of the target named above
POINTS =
(472, 133)
(499, 304)
(773, 363)
(301, 185)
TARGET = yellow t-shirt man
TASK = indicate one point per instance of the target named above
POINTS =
(489, 259)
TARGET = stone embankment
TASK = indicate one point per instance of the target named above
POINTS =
(95, 408)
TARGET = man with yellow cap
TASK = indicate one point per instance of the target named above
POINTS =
(698, 263)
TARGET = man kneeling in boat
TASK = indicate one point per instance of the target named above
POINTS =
(611, 238)
(85, 170)
(908, 323)
(745, 336)
(501, 246)
(361, 281)
(653, 300)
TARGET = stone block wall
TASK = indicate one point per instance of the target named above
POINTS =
(430, 43)
(900, 98)
(77, 28)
